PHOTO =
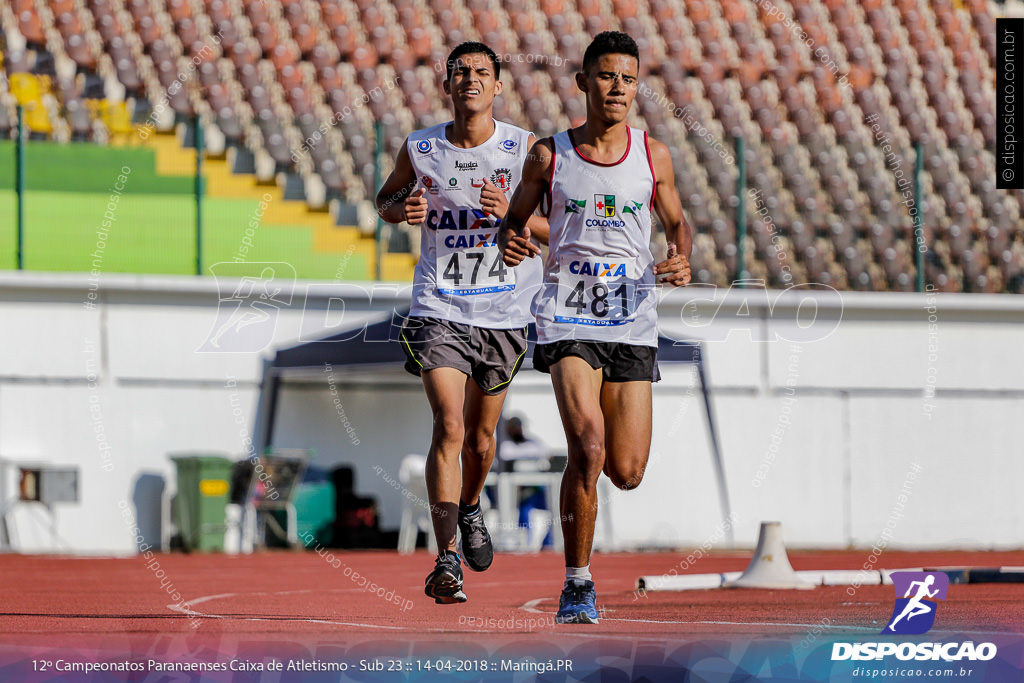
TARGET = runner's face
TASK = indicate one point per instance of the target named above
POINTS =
(473, 86)
(610, 85)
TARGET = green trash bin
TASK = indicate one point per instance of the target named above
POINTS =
(204, 484)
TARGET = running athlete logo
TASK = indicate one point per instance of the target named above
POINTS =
(502, 177)
(248, 306)
(575, 205)
(914, 613)
(604, 205)
(632, 207)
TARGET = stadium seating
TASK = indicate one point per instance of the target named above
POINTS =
(818, 89)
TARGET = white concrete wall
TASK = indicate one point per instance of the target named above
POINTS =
(853, 397)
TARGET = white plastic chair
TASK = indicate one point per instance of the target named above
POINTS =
(415, 504)
(540, 524)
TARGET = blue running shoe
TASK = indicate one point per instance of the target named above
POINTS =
(578, 604)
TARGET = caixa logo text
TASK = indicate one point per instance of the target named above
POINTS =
(947, 652)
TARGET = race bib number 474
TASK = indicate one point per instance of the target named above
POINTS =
(598, 293)
(469, 262)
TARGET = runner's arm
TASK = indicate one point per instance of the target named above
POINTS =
(495, 202)
(396, 201)
(514, 237)
(537, 224)
(676, 268)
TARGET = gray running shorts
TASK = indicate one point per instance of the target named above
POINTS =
(491, 357)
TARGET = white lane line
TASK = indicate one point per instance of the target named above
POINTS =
(190, 612)
(531, 606)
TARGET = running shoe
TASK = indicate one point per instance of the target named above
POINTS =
(444, 584)
(476, 542)
(578, 604)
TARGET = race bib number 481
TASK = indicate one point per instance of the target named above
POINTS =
(469, 262)
(598, 293)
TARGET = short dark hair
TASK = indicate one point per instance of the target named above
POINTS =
(609, 43)
(472, 48)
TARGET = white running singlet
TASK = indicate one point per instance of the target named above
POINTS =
(461, 276)
(599, 282)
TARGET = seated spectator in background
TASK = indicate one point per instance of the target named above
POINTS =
(517, 452)
(521, 454)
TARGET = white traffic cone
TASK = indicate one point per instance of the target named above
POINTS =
(770, 567)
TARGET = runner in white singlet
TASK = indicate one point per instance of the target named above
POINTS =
(596, 314)
(466, 333)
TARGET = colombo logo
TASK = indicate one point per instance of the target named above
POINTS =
(604, 205)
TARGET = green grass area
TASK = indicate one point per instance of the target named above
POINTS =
(85, 167)
(69, 187)
(154, 233)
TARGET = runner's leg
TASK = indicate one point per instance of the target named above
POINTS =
(578, 391)
(446, 389)
(481, 415)
(627, 408)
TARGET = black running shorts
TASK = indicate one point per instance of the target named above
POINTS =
(491, 357)
(618, 362)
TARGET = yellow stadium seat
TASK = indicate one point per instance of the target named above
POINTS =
(28, 90)
(37, 119)
(117, 119)
(25, 88)
(95, 108)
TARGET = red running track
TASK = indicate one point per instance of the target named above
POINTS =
(303, 593)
